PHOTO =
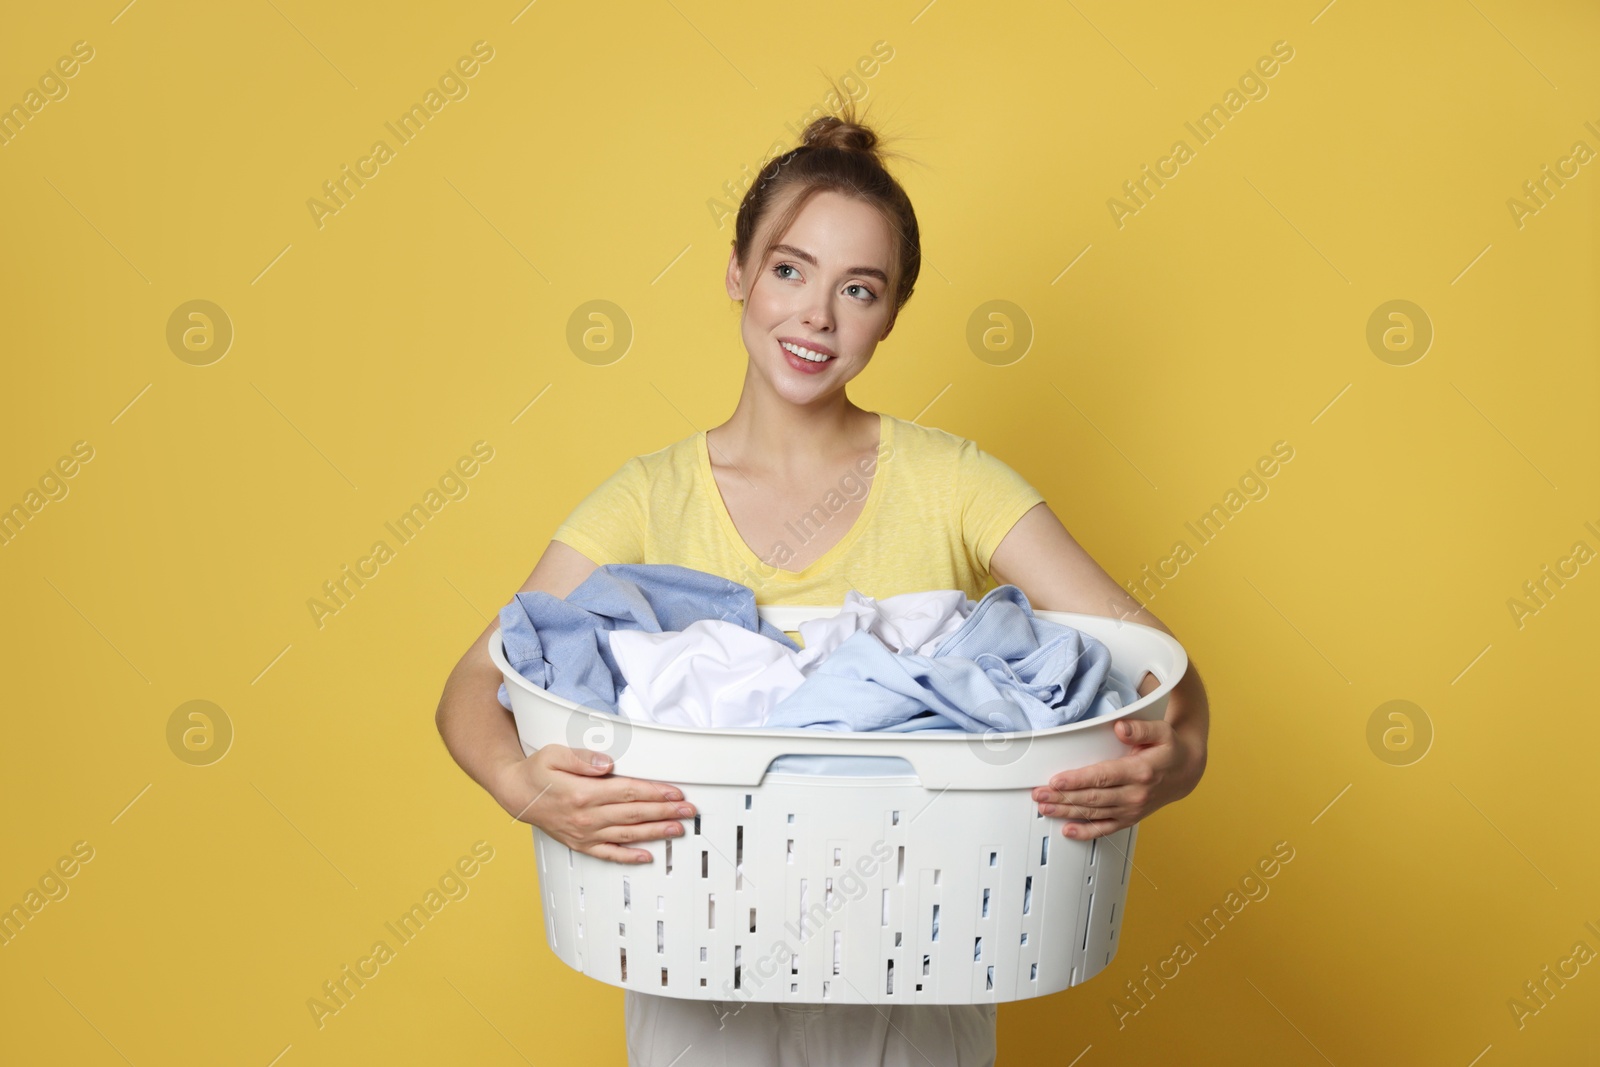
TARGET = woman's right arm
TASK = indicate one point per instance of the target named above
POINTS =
(557, 789)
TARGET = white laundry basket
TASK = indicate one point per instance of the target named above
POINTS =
(938, 882)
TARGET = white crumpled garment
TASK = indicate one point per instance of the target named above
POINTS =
(718, 674)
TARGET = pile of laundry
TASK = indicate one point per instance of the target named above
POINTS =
(663, 643)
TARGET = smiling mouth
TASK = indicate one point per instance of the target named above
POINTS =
(804, 353)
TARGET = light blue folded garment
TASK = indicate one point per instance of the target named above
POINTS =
(1004, 669)
(563, 646)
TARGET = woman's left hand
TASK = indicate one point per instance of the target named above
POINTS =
(1165, 766)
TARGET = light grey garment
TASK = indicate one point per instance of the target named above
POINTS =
(709, 1033)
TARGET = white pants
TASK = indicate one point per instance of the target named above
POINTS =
(709, 1033)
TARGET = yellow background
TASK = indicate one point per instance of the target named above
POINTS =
(1229, 313)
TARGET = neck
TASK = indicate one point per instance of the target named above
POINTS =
(767, 432)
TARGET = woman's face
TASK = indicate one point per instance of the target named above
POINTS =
(823, 286)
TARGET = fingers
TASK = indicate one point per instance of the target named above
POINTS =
(1137, 769)
(587, 833)
(1126, 791)
(574, 760)
(1128, 811)
(599, 818)
(654, 812)
(1083, 831)
(1096, 804)
(632, 822)
(1144, 731)
(599, 765)
(646, 789)
(632, 833)
(616, 853)
(1083, 803)
(614, 790)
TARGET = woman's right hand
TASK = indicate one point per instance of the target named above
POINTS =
(570, 794)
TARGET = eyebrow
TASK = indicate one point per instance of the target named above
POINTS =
(800, 253)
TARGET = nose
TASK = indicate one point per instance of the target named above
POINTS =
(818, 316)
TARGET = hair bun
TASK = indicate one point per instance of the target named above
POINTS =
(832, 132)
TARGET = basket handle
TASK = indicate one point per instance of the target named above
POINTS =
(958, 761)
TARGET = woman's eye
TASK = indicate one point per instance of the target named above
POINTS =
(865, 293)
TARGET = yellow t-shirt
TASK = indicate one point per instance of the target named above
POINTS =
(937, 506)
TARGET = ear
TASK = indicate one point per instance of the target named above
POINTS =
(734, 279)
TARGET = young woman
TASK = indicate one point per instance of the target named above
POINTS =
(802, 495)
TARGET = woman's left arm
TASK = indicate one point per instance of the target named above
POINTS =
(1053, 571)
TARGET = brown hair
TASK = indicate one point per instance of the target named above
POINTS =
(837, 153)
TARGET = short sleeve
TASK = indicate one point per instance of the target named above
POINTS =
(991, 497)
(609, 525)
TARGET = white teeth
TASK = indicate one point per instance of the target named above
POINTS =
(805, 353)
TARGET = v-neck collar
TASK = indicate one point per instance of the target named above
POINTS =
(875, 493)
